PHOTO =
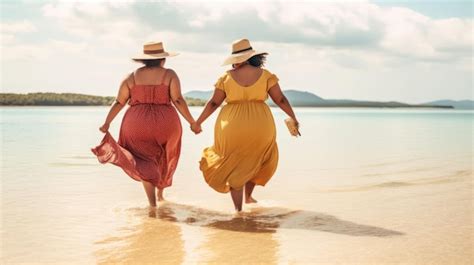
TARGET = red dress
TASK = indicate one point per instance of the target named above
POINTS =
(149, 144)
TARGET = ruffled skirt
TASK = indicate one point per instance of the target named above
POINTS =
(244, 149)
(149, 144)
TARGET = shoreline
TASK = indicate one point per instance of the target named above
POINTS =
(298, 100)
(307, 107)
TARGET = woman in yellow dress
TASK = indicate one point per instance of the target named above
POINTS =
(245, 152)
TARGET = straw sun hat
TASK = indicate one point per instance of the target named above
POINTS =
(152, 51)
(241, 52)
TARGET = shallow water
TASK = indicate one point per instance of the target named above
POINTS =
(361, 186)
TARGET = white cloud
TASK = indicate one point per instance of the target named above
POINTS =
(9, 30)
(346, 42)
(413, 35)
(67, 46)
(14, 48)
(94, 20)
(32, 52)
(388, 34)
(361, 25)
(452, 34)
(17, 27)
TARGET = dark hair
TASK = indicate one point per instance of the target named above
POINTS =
(257, 60)
(151, 62)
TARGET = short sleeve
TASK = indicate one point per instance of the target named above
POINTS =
(272, 81)
(220, 82)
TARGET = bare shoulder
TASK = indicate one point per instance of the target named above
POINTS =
(171, 73)
(129, 76)
(139, 70)
(129, 79)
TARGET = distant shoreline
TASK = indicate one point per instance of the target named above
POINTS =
(271, 106)
(66, 99)
(48, 99)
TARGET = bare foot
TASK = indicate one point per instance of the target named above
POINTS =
(238, 214)
(159, 194)
(250, 200)
(152, 211)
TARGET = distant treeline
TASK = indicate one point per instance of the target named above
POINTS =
(53, 99)
(65, 99)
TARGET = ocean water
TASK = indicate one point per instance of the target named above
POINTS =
(361, 186)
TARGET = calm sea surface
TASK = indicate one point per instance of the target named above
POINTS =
(361, 186)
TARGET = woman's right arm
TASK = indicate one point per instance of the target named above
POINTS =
(211, 106)
(281, 101)
(119, 103)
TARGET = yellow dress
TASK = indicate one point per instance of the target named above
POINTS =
(245, 146)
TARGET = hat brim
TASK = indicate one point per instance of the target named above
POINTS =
(154, 56)
(241, 57)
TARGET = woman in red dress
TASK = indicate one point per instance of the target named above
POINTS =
(149, 144)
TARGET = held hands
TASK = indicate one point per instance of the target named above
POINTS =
(196, 127)
(104, 128)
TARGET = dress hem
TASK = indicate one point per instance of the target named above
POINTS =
(109, 151)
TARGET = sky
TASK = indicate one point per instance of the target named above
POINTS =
(409, 51)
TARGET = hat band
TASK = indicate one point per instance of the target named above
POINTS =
(244, 50)
(153, 51)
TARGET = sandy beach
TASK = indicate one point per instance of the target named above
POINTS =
(360, 187)
(383, 173)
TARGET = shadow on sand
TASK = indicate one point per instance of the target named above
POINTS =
(266, 220)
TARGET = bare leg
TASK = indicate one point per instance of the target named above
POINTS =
(152, 211)
(160, 195)
(237, 198)
(150, 192)
(248, 192)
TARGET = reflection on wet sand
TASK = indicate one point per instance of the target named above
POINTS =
(231, 247)
(232, 239)
(229, 239)
(268, 220)
(153, 241)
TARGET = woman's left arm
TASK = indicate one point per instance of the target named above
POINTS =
(281, 101)
(178, 100)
